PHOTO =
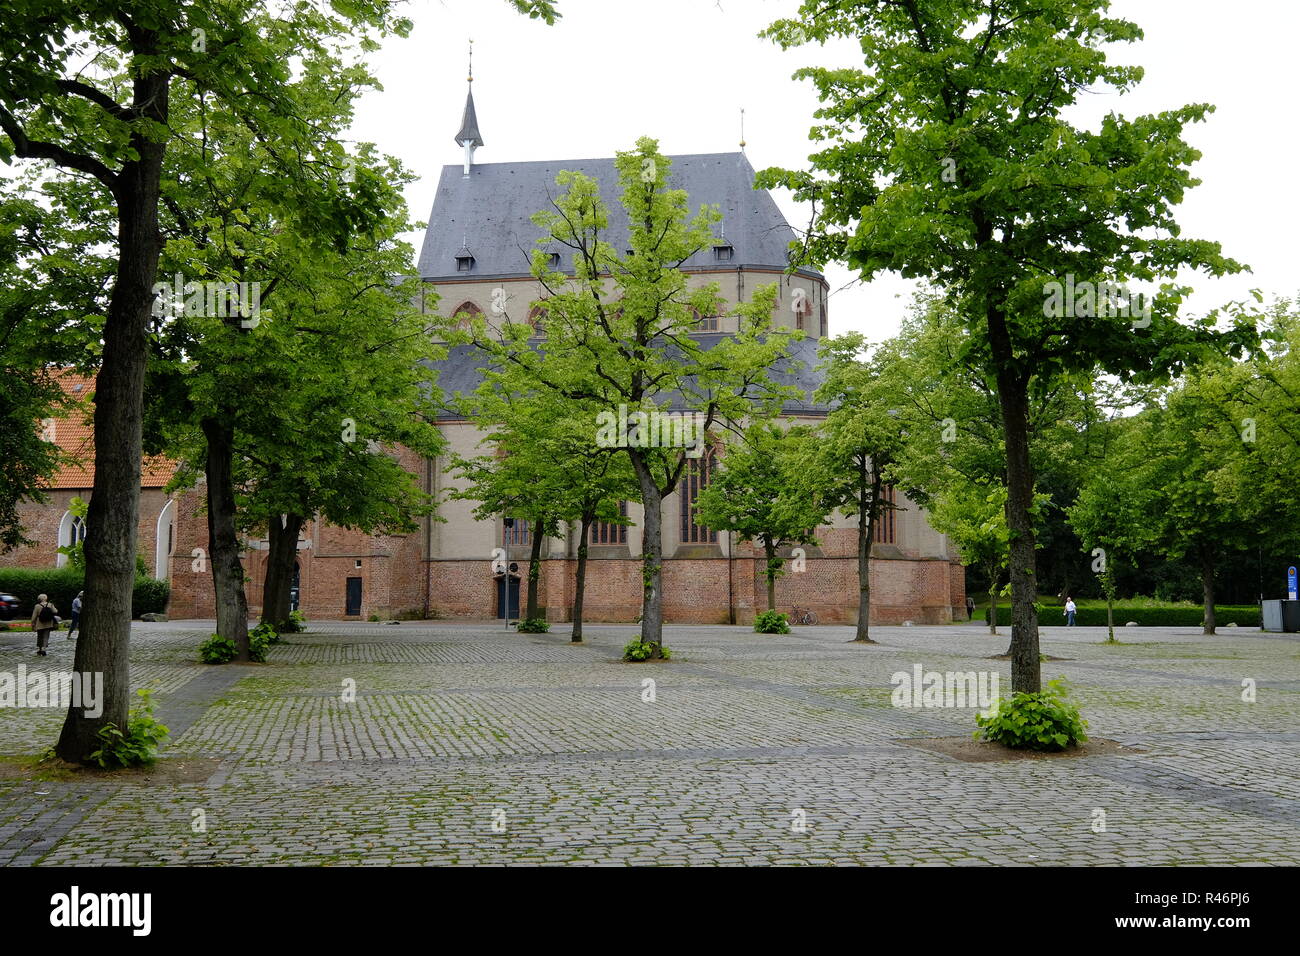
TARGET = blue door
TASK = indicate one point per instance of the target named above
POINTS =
(508, 597)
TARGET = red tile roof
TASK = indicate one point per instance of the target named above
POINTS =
(74, 434)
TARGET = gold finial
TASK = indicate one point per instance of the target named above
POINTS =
(471, 61)
(742, 127)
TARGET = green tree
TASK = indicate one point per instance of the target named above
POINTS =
(618, 336)
(52, 279)
(543, 464)
(513, 486)
(848, 466)
(1179, 450)
(1111, 514)
(974, 516)
(89, 88)
(756, 494)
(261, 395)
(954, 453)
(949, 156)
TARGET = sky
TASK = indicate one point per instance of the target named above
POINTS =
(611, 71)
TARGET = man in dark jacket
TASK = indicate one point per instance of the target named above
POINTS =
(75, 624)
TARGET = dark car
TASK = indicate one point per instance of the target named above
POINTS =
(8, 607)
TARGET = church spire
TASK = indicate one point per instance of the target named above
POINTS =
(469, 137)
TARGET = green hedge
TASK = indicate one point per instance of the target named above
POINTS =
(62, 585)
(1051, 615)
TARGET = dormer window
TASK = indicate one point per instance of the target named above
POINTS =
(553, 260)
(464, 258)
(723, 251)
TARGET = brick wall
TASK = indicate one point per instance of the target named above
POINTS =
(696, 590)
(41, 525)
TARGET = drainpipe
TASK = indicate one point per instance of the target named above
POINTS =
(731, 600)
(428, 535)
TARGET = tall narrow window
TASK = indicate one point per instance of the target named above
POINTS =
(515, 533)
(694, 480)
(608, 532)
(886, 520)
(803, 314)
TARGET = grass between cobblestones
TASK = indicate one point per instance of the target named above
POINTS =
(468, 744)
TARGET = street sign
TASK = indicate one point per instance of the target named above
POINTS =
(1290, 583)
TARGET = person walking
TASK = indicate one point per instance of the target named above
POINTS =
(1070, 608)
(970, 608)
(45, 618)
(74, 625)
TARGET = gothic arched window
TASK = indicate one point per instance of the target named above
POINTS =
(466, 313)
(695, 479)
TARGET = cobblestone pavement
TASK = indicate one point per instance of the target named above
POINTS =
(466, 743)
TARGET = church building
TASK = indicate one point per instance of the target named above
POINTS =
(475, 255)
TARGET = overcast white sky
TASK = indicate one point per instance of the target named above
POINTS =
(680, 70)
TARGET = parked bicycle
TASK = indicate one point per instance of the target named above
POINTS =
(801, 615)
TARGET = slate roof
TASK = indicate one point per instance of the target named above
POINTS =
(469, 124)
(462, 372)
(489, 211)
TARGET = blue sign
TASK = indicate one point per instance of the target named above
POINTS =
(1290, 583)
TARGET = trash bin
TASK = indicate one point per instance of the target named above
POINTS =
(1281, 616)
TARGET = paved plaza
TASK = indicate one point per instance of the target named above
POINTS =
(470, 744)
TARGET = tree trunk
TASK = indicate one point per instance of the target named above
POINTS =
(223, 539)
(1207, 589)
(282, 555)
(769, 551)
(1109, 584)
(652, 544)
(993, 603)
(103, 645)
(866, 534)
(1026, 670)
(535, 568)
(580, 583)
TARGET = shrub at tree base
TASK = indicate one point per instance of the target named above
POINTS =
(62, 584)
(639, 650)
(771, 622)
(139, 745)
(296, 624)
(259, 639)
(533, 625)
(218, 650)
(1042, 721)
(1051, 615)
